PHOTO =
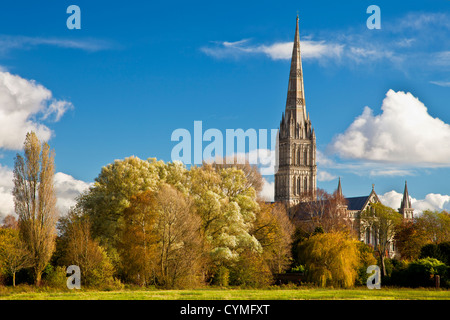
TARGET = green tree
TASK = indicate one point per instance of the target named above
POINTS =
(227, 210)
(383, 221)
(35, 201)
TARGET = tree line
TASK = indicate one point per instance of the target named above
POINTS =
(151, 223)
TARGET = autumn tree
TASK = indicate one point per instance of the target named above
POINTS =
(330, 259)
(14, 254)
(323, 210)
(383, 221)
(434, 225)
(10, 222)
(82, 250)
(138, 246)
(409, 239)
(274, 231)
(35, 201)
(179, 256)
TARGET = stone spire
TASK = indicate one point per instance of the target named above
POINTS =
(406, 202)
(295, 101)
(339, 189)
(296, 177)
(405, 206)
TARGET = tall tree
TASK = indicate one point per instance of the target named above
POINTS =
(179, 252)
(139, 240)
(383, 221)
(35, 201)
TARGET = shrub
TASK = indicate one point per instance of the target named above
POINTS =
(55, 277)
(419, 273)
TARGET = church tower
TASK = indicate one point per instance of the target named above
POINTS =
(297, 171)
(405, 206)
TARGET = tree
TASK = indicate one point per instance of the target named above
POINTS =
(324, 210)
(410, 238)
(14, 254)
(138, 247)
(330, 259)
(227, 210)
(83, 251)
(274, 231)
(179, 252)
(35, 201)
(107, 199)
(435, 225)
(10, 222)
(383, 221)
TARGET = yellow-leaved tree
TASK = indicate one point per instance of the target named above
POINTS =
(330, 259)
(35, 201)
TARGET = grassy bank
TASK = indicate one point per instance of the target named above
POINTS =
(31, 293)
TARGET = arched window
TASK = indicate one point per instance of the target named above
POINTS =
(306, 157)
(294, 189)
(367, 236)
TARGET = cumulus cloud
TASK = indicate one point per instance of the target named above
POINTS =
(432, 201)
(67, 189)
(403, 133)
(24, 105)
(268, 191)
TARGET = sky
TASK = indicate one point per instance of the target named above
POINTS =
(137, 71)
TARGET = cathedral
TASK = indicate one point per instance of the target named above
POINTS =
(296, 175)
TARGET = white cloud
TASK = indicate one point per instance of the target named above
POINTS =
(21, 103)
(276, 51)
(325, 176)
(441, 83)
(67, 188)
(403, 133)
(268, 191)
(8, 43)
(432, 201)
(390, 172)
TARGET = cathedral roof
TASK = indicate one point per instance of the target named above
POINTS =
(357, 203)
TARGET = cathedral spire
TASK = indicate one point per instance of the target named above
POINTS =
(405, 206)
(339, 189)
(295, 102)
(406, 202)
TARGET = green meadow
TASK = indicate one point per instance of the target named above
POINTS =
(362, 293)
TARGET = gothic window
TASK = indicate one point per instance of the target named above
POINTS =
(293, 185)
(306, 184)
(367, 236)
(306, 157)
(299, 185)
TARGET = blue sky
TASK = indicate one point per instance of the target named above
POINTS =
(136, 71)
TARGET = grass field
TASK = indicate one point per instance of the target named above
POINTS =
(227, 294)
